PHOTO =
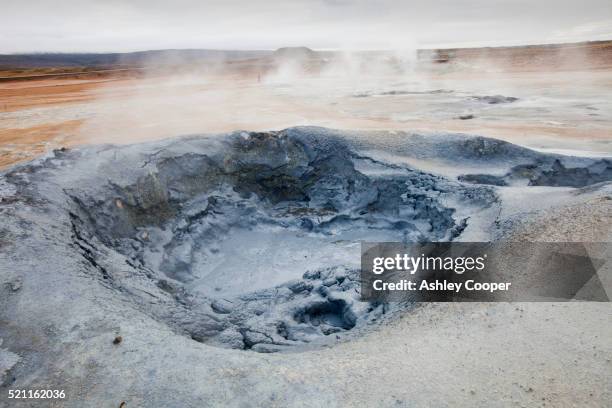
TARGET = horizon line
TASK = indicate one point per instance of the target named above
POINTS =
(445, 47)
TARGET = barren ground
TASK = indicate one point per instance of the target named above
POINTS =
(556, 109)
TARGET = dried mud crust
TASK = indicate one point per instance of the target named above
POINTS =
(586, 222)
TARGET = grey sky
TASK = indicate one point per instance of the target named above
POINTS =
(126, 25)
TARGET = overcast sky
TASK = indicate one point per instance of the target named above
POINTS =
(127, 25)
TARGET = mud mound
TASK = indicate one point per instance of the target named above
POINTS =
(549, 173)
(559, 175)
(456, 149)
(494, 99)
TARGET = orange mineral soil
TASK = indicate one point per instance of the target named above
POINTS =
(567, 110)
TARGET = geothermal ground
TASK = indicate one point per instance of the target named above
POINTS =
(221, 267)
(526, 97)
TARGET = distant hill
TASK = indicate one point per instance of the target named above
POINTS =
(298, 53)
(592, 54)
(595, 54)
(131, 59)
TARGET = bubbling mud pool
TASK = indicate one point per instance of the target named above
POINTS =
(249, 240)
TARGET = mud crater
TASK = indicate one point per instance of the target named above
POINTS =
(256, 245)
